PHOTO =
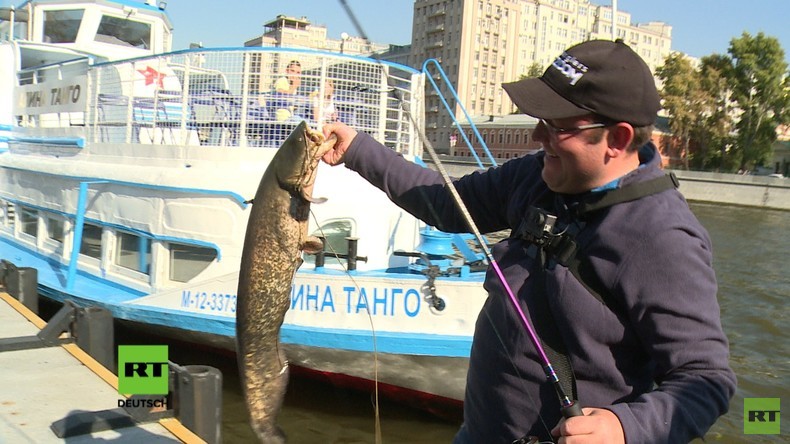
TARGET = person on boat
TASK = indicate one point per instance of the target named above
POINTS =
(286, 90)
(324, 105)
(637, 314)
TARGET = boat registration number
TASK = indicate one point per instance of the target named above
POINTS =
(211, 302)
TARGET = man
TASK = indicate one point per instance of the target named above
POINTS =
(633, 304)
(286, 89)
(290, 83)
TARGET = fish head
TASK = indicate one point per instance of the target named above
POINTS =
(298, 159)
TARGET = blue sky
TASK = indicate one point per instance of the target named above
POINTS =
(700, 27)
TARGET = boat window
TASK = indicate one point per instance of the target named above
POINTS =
(9, 215)
(335, 242)
(187, 261)
(91, 241)
(124, 32)
(62, 26)
(133, 252)
(55, 229)
(28, 221)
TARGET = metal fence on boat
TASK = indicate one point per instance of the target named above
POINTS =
(250, 97)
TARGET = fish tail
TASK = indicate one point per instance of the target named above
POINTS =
(271, 435)
(266, 382)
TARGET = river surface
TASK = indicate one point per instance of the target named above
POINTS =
(752, 262)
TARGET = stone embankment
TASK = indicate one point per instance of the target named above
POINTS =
(697, 186)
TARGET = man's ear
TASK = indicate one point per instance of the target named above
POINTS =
(619, 138)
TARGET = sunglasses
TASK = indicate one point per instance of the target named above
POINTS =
(554, 130)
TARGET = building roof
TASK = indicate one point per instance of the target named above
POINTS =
(506, 121)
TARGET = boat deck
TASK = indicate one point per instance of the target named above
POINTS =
(44, 385)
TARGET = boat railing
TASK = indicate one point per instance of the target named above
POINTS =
(230, 98)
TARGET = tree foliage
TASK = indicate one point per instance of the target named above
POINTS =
(534, 70)
(758, 77)
(724, 113)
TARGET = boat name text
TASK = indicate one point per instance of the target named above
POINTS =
(52, 97)
(392, 301)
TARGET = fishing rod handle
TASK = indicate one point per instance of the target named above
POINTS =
(572, 410)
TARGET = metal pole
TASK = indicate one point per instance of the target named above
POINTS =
(200, 401)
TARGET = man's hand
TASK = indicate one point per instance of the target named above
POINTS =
(596, 426)
(345, 134)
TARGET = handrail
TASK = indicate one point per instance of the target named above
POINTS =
(452, 114)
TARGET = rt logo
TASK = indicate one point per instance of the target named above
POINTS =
(761, 416)
(142, 369)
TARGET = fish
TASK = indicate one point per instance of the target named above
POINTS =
(274, 241)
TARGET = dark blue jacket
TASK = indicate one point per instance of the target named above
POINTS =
(658, 359)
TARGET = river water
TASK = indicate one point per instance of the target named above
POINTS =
(752, 262)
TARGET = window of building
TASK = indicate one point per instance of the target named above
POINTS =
(62, 26)
(187, 261)
(335, 234)
(124, 32)
(55, 228)
(91, 241)
(8, 214)
(28, 221)
(133, 252)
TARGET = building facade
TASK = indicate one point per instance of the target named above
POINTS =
(481, 44)
(505, 137)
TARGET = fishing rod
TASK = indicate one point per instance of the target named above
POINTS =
(568, 407)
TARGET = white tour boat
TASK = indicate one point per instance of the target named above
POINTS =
(125, 167)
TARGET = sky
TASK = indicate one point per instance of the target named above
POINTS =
(699, 27)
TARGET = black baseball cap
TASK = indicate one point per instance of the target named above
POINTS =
(598, 76)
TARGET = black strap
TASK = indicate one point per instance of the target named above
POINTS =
(625, 194)
(548, 330)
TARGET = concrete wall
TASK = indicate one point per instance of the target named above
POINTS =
(735, 189)
(697, 186)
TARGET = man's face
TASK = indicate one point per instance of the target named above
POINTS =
(294, 74)
(575, 149)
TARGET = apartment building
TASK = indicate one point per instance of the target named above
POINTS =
(292, 32)
(481, 44)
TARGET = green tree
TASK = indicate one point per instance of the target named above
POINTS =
(758, 79)
(682, 98)
(714, 136)
(534, 70)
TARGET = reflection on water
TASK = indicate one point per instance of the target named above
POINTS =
(751, 259)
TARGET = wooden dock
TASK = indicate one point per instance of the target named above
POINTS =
(41, 386)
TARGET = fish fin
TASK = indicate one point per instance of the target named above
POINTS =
(318, 200)
(312, 245)
(311, 199)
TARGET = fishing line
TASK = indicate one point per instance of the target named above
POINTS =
(568, 406)
(377, 426)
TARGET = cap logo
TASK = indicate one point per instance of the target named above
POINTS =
(570, 67)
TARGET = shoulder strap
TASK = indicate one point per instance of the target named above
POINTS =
(626, 194)
(548, 330)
